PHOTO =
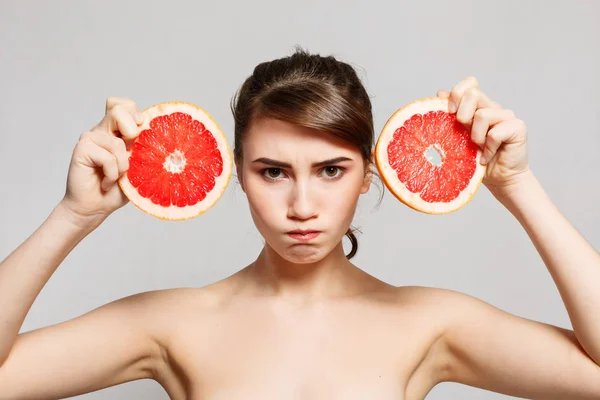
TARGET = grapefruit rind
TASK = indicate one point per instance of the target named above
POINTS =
(390, 177)
(172, 212)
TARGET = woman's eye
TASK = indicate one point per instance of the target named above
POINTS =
(332, 172)
(272, 173)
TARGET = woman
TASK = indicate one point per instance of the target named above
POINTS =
(301, 321)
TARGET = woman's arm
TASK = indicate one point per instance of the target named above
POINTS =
(573, 263)
(92, 194)
(26, 270)
(488, 348)
(115, 343)
(112, 344)
(494, 350)
(485, 347)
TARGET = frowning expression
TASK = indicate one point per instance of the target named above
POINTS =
(302, 186)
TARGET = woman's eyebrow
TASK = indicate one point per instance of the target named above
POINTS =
(282, 164)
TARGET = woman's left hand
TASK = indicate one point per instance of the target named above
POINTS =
(497, 131)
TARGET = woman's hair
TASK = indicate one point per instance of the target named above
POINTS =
(311, 91)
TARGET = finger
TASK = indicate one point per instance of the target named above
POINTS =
(502, 132)
(115, 101)
(485, 118)
(96, 156)
(122, 120)
(485, 101)
(444, 94)
(112, 144)
(458, 90)
(468, 105)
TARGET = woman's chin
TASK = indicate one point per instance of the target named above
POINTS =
(303, 254)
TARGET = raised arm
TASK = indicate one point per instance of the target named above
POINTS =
(109, 345)
(497, 351)
(572, 261)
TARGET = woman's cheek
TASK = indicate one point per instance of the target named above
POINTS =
(346, 196)
(266, 202)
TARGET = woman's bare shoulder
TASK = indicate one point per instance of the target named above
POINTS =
(426, 294)
(440, 303)
(209, 296)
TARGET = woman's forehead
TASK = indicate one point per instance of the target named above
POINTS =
(273, 138)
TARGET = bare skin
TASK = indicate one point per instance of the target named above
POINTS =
(301, 321)
(253, 345)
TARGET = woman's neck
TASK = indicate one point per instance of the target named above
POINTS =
(332, 277)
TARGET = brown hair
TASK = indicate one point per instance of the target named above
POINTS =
(311, 91)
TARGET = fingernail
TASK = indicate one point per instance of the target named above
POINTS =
(483, 160)
(451, 107)
(138, 118)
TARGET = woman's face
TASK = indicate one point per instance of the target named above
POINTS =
(298, 178)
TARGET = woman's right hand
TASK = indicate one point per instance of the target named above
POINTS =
(99, 159)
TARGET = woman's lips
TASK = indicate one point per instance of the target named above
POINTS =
(303, 236)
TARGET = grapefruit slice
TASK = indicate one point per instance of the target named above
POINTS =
(426, 158)
(179, 165)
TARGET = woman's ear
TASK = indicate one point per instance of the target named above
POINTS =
(367, 180)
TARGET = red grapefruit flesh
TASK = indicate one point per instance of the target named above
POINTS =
(427, 159)
(179, 165)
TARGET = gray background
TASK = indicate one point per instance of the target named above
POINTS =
(60, 60)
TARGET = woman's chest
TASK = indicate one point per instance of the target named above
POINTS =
(317, 356)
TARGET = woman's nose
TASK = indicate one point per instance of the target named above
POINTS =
(302, 206)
